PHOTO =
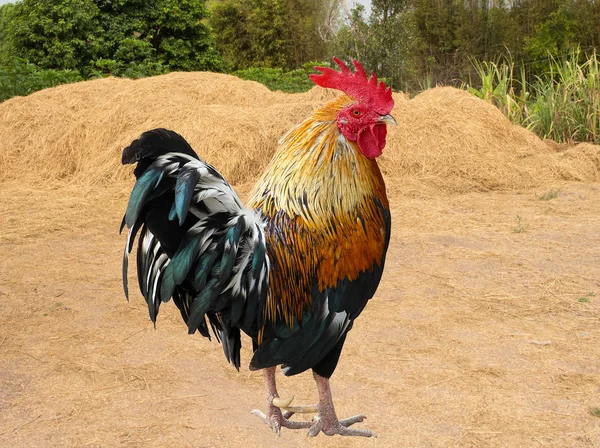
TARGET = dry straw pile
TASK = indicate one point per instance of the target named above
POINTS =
(447, 140)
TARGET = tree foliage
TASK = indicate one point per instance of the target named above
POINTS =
(116, 36)
(170, 32)
(424, 42)
(6, 40)
(271, 33)
(411, 43)
(56, 34)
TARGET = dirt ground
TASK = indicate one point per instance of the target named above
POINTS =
(485, 332)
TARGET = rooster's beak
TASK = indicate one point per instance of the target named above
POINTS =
(388, 119)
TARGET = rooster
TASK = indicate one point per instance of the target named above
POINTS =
(294, 267)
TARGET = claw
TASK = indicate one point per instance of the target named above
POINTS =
(260, 415)
(282, 402)
(287, 414)
(341, 427)
(278, 421)
(273, 424)
(352, 420)
(310, 409)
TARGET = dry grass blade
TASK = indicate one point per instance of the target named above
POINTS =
(21, 425)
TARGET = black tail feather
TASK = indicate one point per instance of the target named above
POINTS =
(196, 241)
(232, 344)
(152, 144)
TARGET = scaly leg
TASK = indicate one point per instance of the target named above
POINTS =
(327, 420)
(275, 418)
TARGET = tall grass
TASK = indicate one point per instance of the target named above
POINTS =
(562, 104)
(500, 87)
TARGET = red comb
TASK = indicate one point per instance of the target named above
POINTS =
(356, 85)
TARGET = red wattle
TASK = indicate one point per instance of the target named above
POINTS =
(371, 140)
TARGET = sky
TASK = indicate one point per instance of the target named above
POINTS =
(366, 3)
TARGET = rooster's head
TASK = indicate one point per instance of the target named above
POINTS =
(364, 120)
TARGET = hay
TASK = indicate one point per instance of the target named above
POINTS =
(447, 141)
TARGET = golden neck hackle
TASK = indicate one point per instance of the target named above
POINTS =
(316, 171)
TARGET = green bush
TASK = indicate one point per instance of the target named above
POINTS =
(292, 81)
(20, 77)
(135, 70)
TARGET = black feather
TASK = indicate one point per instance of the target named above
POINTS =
(204, 259)
(128, 247)
(184, 190)
(122, 225)
(155, 143)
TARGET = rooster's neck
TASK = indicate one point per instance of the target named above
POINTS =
(316, 173)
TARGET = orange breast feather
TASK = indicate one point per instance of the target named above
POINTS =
(323, 204)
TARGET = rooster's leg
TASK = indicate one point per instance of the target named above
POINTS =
(275, 418)
(327, 420)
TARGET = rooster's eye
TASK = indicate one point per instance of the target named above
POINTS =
(356, 112)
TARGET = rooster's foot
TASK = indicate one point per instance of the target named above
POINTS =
(331, 426)
(276, 419)
(327, 422)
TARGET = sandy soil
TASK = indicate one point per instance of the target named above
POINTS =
(485, 332)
